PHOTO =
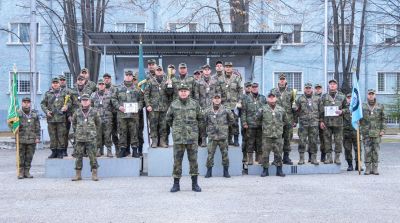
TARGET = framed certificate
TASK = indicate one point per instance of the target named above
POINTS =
(331, 111)
(131, 107)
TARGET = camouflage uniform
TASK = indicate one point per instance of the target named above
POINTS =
(243, 130)
(69, 115)
(372, 124)
(114, 133)
(321, 133)
(29, 132)
(307, 113)
(349, 139)
(334, 124)
(188, 81)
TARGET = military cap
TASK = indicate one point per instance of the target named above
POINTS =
(81, 77)
(308, 85)
(206, 66)
(217, 95)
(196, 72)
(247, 84)
(85, 97)
(228, 64)
(61, 77)
(128, 72)
(348, 95)
(100, 81)
(85, 70)
(183, 87)
(171, 66)
(282, 76)
(371, 91)
(182, 65)
(55, 79)
(151, 61)
(106, 75)
(333, 80)
(218, 62)
(271, 93)
(26, 99)
(318, 85)
(159, 67)
(254, 84)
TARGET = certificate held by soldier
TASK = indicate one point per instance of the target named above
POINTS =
(331, 111)
(131, 107)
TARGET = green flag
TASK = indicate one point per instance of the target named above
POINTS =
(13, 118)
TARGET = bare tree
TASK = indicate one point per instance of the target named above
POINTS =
(239, 15)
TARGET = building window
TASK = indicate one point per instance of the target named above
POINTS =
(331, 75)
(388, 33)
(347, 32)
(291, 33)
(24, 82)
(130, 27)
(183, 27)
(214, 27)
(20, 33)
(388, 82)
(294, 79)
(78, 32)
(69, 78)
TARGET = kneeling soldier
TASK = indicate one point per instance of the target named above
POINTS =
(85, 122)
(217, 120)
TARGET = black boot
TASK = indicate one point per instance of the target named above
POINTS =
(309, 157)
(323, 157)
(226, 172)
(135, 153)
(65, 154)
(350, 163)
(53, 154)
(279, 171)
(236, 140)
(265, 172)
(286, 160)
(209, 172)
(195, 186)
(175, 187)
(127, 151)
(140, 150)
(60, 154)
(357, 167)
(121, 153)
(230, 141)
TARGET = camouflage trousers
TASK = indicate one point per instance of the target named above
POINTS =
(104, 133)
(212, 146)
(287, 137)
(321, 140)
(372, 147)
(349, 144)
(114, 132)
(254, 143)
(245, 140)
(274, 145)
(308, 136)
(90, 148)
(179, 151)
(158, 125)
(128, 128)
(57, 133)
(26, 152)
(141, 128)
(68, 127)
(335, 132)
(234, 127)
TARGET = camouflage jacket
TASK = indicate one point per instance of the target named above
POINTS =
(232, 91)
(189, 81)
(76, 97)
(272, 121)
(101, 101)
(29, 127)
(91, 86)
(306, 110)
(285, 100)
(373, 121)
(250, 106)
(218, 77)
(347, 126)
(156, 94)
(86, 126)
(218, 122)
(326, 100)
(124, 94)
(53, 102)
(185, 117)
(206, 91)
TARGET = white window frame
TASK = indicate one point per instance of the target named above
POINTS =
(385, 92)
(11, 73)
(332, 36)
(72, 82)
(275, 81)
(225, 24)
(64, 40)
(38, 42)
(383, 36)
(184, 27)
(125, 23)
(279, 28)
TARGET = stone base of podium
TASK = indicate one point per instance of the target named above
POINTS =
(297, 169)
(108, 167)
(161, 160)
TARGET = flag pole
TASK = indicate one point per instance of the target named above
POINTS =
(17, 152)
(358, 151)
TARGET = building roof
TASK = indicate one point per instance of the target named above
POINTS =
(183, 43)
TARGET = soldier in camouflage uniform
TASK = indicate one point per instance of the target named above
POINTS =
(285, 100)
(151, 69)
(64, 87)
(197, 75)
(217, 120)
(318, 92)
(219, 71)
(184, 78)
(250, 106)
(273, 118)
(55, 106)
(128, 123)
(232, 89)
(157, 103)
(373, 126)
(247, 91)
(101, 101)
(307, 113)
(185, 116)
(29, 136)
(332, 125)
(86, 122)
(114, 133)
(89, 85)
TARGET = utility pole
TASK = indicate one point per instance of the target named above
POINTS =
(32, 53)
(326, 44)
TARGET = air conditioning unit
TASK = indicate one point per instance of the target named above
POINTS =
(277, 47)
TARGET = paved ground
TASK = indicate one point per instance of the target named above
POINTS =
(345, 197)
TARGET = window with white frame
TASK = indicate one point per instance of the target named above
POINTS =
(130, 27)
(388, 82)
(24, 82)
(69, 78)
(215, 27)
(79, 34)
(331, 75)
(291, 33)
(294, 79)
(20, 33)
(388, 33)
(347, 32)
(182, 27)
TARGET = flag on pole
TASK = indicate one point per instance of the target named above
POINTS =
(142, 76)
(13, 118)
(355, 105)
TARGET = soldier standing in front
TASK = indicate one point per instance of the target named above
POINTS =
(318, 92)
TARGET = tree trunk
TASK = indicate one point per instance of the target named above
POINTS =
(239, 13)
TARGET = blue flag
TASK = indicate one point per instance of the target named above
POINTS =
(355, 105)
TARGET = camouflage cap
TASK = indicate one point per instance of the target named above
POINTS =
(308, 85)
(332, 80)
(106, 75)
(318, 85)
(159, 68)
(55, 79)
(218, 62)
(271, 93)
(171, 66)
(100, 81)
(205, 66)
(196, 72)
(151, 61)
(183, 87)
(228, 64)
(371, 91)
(85, 70)
(247, 84)
(81, 77)
(348, 95)
(282, 76)
(217, 95)
(182, 65)
(26, 99)
(254, 84)
(85, 97)
(128, 72)
(61, 77)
